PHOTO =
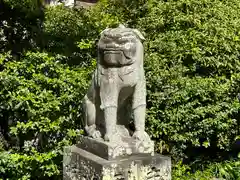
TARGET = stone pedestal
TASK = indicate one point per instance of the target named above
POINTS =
(116, 96)
(83, 164)
(117, 150)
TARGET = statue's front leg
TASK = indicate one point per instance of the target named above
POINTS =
(90, 118)
(109, 92)
(110, 116)
(139, 122)
(139, 118)
(89, 106)
(139, 110)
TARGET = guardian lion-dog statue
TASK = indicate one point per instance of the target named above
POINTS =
(118, 88)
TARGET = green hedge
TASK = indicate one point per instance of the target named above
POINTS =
(193, 90)
(21, 25)
(40, 111)
(229, 170)
(192, 69)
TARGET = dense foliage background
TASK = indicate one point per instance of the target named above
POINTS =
(192, 65)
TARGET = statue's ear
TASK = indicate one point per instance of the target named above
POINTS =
(121, 26)
(139, 35)
(104, 31)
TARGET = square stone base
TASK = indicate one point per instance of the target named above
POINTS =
(117, 150)
(79, 164)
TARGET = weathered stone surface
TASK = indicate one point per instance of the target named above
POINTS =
(79, 164)
(116, 97)
(85, 3)
(72, 3)
(117, 93)
(67, 3)
(115, 150)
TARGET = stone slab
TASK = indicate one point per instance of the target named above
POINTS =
(79, 164)
(101, 148)
(85, 4)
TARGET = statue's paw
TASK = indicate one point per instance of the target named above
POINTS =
(141, 136)
(96, 134)
(143, 143)
(92, 132)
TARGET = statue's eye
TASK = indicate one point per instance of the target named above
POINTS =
(128, 46)
(129, 50)
(107, 39)
(123, 40)
(126, 39)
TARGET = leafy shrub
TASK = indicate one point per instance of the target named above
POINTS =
(224, 170)
(21, 25)
(41, 112)
(22, 166)
(73, 32)
(192, 66)
(192, 70)
(192, 92)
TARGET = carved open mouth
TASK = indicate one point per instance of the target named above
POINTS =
(116, 50)
(114, 56)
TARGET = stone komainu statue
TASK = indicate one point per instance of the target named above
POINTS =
(118, 88)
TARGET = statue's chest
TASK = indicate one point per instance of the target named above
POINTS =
(126, 76)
